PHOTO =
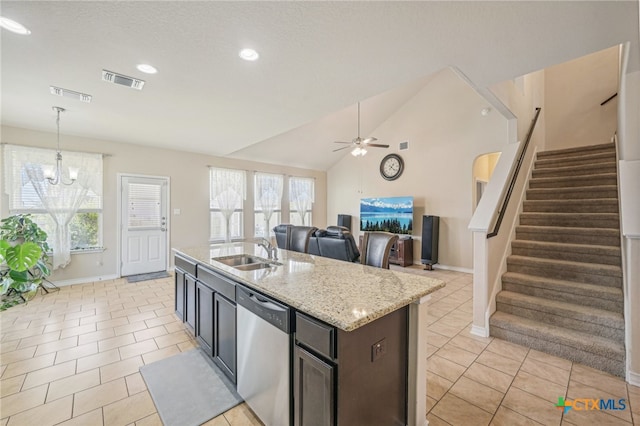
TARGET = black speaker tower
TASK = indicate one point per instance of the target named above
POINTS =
(344, 220)
(430, 236)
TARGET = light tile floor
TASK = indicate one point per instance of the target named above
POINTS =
(72, 358)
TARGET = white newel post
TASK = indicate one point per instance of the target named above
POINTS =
(480, 325)
(417, 368)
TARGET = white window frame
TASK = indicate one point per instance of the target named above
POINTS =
(292, 207)
(10, 175)
(257, 210)
(213, 210)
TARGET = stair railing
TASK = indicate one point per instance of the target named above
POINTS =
(514, 176)
(608, 99)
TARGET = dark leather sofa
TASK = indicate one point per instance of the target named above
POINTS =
(335, 242)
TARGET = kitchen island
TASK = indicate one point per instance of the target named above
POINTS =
(357, 332)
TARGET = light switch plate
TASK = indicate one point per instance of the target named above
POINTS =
(176, 211)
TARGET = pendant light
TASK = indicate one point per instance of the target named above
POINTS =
(55, 177)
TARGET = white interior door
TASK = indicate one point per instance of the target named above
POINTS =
(143, 225)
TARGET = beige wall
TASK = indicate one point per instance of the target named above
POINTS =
(189, 192)
(573, 93)
(446, 132)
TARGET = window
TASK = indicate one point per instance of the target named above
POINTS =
(267, 193)
(301, 199)
(71, 215)
(227, 195)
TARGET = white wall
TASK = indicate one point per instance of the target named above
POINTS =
(629, 151)
(520, 97)
(446, 132)
(573, 93)
(189, 176)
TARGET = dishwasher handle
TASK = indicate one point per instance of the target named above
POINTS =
(264, 307)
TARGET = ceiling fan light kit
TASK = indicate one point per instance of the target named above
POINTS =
(357, 151)
(358, 144)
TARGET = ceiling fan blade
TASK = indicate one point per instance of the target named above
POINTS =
(342, 142)
(340, 149)
(378, 145)
(367, 141)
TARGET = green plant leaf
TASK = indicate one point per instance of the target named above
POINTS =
(5, 285)
(19, 276)
(23, 256)
(4, 245)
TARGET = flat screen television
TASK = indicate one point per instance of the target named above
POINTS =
(390, 214)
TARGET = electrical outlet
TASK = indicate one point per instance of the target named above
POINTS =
(378, 350)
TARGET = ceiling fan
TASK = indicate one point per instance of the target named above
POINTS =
(359, 144)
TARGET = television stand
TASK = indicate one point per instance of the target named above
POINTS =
(401, 252)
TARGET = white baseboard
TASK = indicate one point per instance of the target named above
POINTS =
(633, 378)
(74, 281)
(448, 268)
(479, 331)
(453, 268)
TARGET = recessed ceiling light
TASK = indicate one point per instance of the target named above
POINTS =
(13, 26)
(249, 54)
(147, 69)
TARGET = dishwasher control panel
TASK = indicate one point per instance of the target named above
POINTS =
(272, 311)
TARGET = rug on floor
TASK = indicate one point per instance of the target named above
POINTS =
(146, 277)
(188, 389)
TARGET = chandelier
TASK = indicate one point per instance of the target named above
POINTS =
(54, 176)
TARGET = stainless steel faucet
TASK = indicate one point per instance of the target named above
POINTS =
(272, 251)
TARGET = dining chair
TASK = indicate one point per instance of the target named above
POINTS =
(376, 247)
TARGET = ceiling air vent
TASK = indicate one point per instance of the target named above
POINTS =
(66, 93)
(404, 145)
(123, 80)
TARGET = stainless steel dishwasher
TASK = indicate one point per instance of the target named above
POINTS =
(263, 356)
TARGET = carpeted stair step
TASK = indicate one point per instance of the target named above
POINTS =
(576, 160)
(586, 319)
(575, 193)
(582, 170)
(577, 151)
(601, 297)
(602, 205)
(574, 181)
(596, 352)
(588, 273)
(569, 235)
(586, 253)
(582, 220)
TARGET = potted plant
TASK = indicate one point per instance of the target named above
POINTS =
(23, 259)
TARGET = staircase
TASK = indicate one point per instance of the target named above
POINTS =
(562, 292)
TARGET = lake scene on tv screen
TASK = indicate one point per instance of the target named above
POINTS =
(389, 214)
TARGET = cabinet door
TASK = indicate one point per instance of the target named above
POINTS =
(204, 317)
(179, 289)
(190, 300)
(313, 390)
(224, 351)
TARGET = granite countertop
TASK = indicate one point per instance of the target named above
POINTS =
(345, 295)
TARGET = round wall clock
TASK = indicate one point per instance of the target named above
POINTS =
(391, 167)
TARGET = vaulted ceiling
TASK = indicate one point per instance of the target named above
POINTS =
(317, 60)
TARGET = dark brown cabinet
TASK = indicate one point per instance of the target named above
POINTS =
(224, 346)
(180, 289)
(313, 390)
(205, 301)
(204, 320)
(185, 287)
(402, 252)
(190, 301)
(350, 378)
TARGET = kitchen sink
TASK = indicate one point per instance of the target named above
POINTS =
(246, 262)
(255, 266)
